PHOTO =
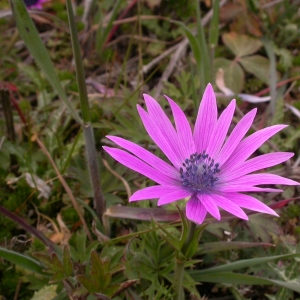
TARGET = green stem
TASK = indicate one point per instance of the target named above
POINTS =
(180, 263)
(178, 279)
(93, 165)
(84, 102)
(91, 153)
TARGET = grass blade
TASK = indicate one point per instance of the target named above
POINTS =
(103, 34)
(24, 261)
(91, 153)
(214, 31)
(235, 278)
(36, 47)
(244, 264)
(205, 65)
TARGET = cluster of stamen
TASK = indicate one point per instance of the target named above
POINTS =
(199, 172)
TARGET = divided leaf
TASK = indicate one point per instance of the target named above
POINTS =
(233, 73)
(257, 65)
(241, 44)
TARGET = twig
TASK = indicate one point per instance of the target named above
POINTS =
(128, 191)
(66, 187)
(16, 296)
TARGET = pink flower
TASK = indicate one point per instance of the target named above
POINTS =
(210, 169)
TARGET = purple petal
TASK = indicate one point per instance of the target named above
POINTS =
(152, 192)
(227, 188)
(195, 211)
(146, 156)
(220, 131)
(137, 165)
(206, 119)
(257, 163)
(250, 144)
(164, 125)
(176, 194)
(249, 202)
(210, 205)
(183, 128)
(236, 136)
(262, 178)
(169, 147)
(229, 206)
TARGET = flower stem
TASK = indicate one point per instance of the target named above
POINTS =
(178, 279)
(180, 263)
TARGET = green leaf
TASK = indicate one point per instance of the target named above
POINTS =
(244, 264)
(117, 268)
(173, 241)
(32, 40)
(124, 286)
(67, 263)
(214, 25)
(84, 102)
(223, 246)
(87, 283)
(47, 292)
(233, 73)
(193, 42)
(235, 278)
(185, 225)
(58, 276)
(107, 280)
(264, 230)
(23, 261)
(101, 34)
(205, 65)
(257, 65)
(97, 272)
(193, 245)
(241, 44)
(56, 264)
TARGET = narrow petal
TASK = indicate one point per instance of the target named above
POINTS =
(250, 144)
(251, 203)
(262, 178)
(164, 125)
(220, 131)
(210, 205)
(206, 119)
(255, 164)
(137, 165)
(227, 188)
(236, 136)
(183, 128)
(175, 195)
(152, 192)
(170, 148)
(195, 210)
(229, 206)
(146, 156)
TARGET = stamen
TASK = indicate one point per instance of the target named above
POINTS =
(199, 171)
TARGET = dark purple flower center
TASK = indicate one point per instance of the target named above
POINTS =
(199, 172)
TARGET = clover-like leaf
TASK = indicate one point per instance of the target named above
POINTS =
(241, 44)
(233, 73)
(257, 65)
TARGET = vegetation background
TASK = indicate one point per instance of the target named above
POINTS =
(249, 51)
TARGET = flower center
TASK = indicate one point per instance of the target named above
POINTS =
(199, 172)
